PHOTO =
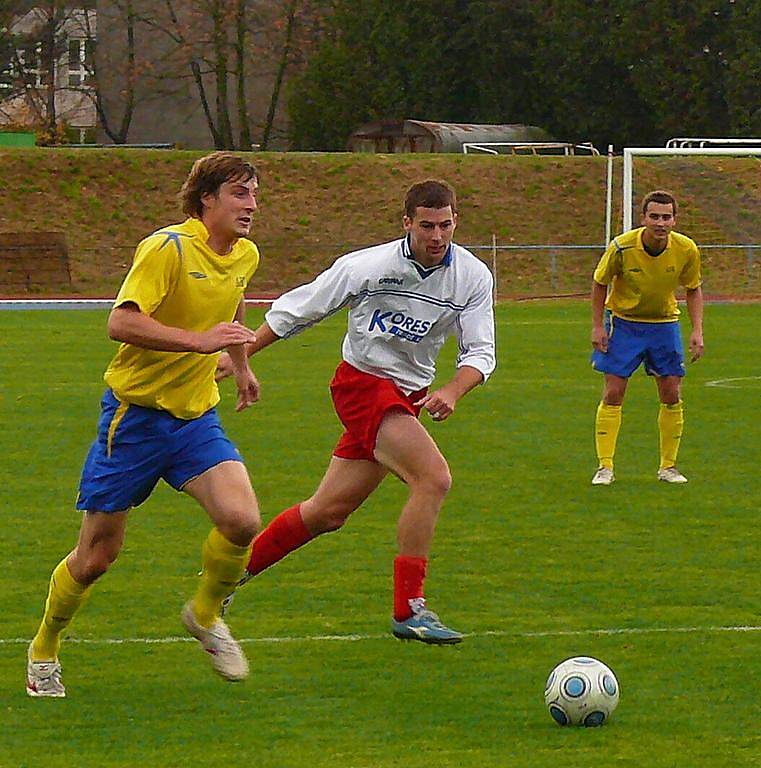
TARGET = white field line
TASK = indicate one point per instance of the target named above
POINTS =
(732, 383)
(387, 636)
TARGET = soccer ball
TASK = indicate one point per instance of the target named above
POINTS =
(581, 691)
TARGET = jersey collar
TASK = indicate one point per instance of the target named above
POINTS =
(643, 247)
(422, 270)
(198, 228)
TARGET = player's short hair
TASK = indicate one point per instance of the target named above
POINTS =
(208, 174)
(658, 196)
(429, 194)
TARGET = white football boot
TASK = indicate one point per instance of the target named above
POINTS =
(671, 475)
(603, 476)
(43, 679)
(227, 658)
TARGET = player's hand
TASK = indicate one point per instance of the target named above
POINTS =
(696, 346)
(248, 388)
(223, 335)
(440, 404)
(224, 367)
(600, 339)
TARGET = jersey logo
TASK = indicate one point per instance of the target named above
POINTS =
(670, 269)
(240, 281)
(399, 324)
(391, 281)
(197, 275)
(173, 237)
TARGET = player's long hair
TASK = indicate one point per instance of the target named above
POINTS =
(429, 194)
(208, 174)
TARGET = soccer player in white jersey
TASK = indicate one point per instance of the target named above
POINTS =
(636, 321)
(405, 298)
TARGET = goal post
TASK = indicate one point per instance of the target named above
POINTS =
(631, 152)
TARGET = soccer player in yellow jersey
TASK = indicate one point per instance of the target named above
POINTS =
(635, 320)
(181, 304)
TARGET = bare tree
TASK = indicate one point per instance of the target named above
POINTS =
(227, 45)
(241, 35)
(295, 31)
(116, 119)
(285, 56)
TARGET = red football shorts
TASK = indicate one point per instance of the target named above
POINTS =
(361, 401)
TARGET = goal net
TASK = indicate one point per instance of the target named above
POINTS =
(718, 190)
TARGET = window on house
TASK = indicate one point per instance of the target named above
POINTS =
(30, 60)
(80, 62)
(6, 67)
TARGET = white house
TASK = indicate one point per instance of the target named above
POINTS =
(46, 63)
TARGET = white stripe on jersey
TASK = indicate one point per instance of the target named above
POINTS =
(398, 318)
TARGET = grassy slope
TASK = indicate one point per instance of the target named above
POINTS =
(314, 206)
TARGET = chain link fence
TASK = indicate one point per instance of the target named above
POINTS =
(520, 271)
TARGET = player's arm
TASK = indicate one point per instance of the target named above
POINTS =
(263, 337)
(245, 380)
(441, 402)
(599, 335)
(128, 324)
(476, 360)
(153, 272)
(299, 308)
(610, 265)
(695, 311)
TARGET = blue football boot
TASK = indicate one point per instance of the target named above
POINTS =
(425, 626)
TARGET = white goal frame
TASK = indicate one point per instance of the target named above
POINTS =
(631, 152)
(685, 142)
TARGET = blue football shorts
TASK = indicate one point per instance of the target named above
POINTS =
(136, 446)
(657, 345)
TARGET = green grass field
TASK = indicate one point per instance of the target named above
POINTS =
(661, 582)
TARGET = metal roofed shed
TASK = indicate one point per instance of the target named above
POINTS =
(395, 136)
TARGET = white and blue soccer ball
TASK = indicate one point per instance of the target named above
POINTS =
(581, 691)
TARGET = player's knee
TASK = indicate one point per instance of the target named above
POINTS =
(443, 480)
(95, 562)
(436, 482)
(241, 529)
(251, 526)
(670, 394)
(614, 395)
(246, 532)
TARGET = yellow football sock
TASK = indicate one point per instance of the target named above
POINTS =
(607, 426)
(65, 597)
(223, 565)
(670, 424)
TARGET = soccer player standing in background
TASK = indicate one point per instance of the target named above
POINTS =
(405, 298)
(174, 311)
(636, 321)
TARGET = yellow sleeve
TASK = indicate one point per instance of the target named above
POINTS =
(690, 277)
(152, 275)
(609, 265)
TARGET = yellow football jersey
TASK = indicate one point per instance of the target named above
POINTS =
(177, 279)
(642, 286)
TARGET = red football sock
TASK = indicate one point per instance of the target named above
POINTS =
(409, 575)
(284, 534)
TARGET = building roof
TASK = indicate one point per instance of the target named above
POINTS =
(426, 136)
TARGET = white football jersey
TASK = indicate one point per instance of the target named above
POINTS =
(400, 312)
